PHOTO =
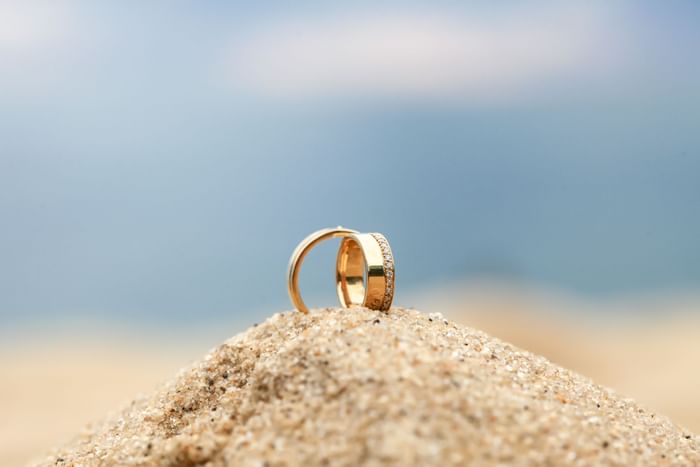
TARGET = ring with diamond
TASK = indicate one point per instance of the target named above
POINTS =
(365, 271)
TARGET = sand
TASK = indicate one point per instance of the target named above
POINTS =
(643, 346)
(646, 349)
(357, 386)
(51, 387)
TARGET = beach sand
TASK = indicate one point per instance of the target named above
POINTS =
(359, 386)
(645, 347)
(51, 387)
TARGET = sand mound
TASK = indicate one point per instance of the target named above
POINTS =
(352, 387)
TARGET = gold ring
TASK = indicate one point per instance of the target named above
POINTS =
(298, 257)
(365, 271)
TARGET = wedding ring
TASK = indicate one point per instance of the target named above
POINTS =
(365, 271)
(298, 258)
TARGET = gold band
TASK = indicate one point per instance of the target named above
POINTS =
(298, 258)
(365, 271)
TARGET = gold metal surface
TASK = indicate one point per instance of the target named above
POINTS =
(364, 269)
(298, 258)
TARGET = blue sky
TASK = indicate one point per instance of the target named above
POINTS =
(162, 161)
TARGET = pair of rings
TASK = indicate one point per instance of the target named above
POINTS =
(364, 269)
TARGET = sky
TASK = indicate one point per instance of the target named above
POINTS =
(160, 161)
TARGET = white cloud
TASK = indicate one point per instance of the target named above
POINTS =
(39, 43)
(28, 26)
(421, 55)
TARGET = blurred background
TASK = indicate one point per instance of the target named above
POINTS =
(536, 168)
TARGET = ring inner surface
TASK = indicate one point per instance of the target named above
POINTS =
(351, 273)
